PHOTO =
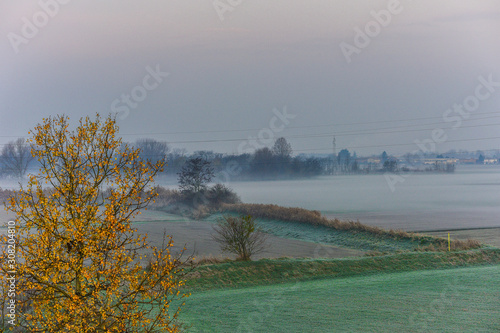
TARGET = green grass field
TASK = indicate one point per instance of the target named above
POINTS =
(450, 300)
(402, 291)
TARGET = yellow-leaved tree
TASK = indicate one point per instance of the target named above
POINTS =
(78, 263)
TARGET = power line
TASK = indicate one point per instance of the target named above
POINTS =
(358, 147)
(389, 132)
(399, 144)
(350, 133)
(319, 135)
(350, 147)
(317, 126)
(497, 114)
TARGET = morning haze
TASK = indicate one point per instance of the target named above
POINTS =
(329, 166)
(261, 56)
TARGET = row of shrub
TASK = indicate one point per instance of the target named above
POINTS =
(294, 214)
(194, 204)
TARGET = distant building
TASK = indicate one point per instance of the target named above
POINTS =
(468, 161)
(490, 161)
(440, 161)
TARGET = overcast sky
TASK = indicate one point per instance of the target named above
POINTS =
(233, 68)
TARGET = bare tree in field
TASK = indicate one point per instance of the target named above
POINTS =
(16, 158)
(239, 235)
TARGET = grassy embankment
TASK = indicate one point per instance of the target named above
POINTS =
(448, 300)
(238, 274)
(312, 226)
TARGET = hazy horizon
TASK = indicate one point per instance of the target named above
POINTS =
(379, 75)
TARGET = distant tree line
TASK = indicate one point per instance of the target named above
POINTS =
(15, 158)
(275, 162)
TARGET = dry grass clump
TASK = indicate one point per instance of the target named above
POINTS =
(295, 214)
(165, 197)
(465, 245)
(211, 260)
(441, 245)
(312, 217)
(200, 212)
(375, 253)
(276, 212)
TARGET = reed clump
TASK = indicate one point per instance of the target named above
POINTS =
(295, 214)
(441, 245)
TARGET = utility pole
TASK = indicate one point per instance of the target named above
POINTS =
(334, 157)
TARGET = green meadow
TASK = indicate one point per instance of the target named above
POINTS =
(444, 300)
(400, 286)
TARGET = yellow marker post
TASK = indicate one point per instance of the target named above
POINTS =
(449, 242)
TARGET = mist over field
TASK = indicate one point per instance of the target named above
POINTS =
(468, 198)
(323, 165)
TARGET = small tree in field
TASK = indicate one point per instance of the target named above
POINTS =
(195, 175)
(78, 266)
(239, 235)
